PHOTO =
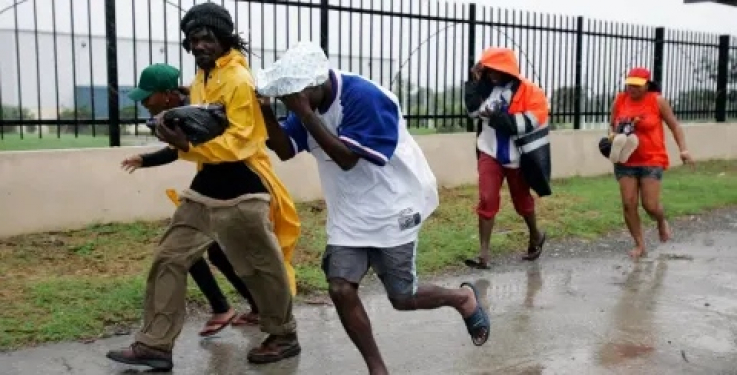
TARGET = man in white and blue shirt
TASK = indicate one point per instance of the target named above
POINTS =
(379, 189)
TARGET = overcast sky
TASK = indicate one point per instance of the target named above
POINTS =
(709, 17)
(422, 52)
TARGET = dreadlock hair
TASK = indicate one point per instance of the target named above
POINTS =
(217, 21)
(236, 42)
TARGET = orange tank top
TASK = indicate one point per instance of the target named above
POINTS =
(645, 112)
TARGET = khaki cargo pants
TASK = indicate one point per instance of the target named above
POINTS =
(243, 229)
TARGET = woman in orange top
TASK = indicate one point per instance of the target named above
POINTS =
(640, 175)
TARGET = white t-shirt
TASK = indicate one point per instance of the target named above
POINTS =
(383, 200)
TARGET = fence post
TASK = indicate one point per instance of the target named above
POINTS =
(113, 101)
(471, 52)
(578, 92)
(324, 29)
(722, 78)
(658, 54)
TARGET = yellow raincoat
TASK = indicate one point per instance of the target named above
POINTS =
(231, 84)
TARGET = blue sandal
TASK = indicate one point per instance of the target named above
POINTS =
(478, 324)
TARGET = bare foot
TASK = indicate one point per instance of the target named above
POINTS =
(223, 316)
(248, 319)
(638, 252)
(217, 322)
(664, 231)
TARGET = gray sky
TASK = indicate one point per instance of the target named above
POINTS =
(709, 17)
(428, 53)
(669, 13)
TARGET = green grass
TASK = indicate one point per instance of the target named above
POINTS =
(422, 131)
(29, 142)
(13, 142)
(72, 285)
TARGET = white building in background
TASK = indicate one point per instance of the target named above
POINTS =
(47, 69)
(422, 53)
(374, 46)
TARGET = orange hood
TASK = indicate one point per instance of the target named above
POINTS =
(501, 59)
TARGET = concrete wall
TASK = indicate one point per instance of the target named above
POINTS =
(55, 190)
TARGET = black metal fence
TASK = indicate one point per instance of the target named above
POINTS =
(70, 76)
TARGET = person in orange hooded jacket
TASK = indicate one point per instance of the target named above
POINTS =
(508, 108)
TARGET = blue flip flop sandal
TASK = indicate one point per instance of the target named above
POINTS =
(478, 324)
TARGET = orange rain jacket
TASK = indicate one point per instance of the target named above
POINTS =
(526, 119)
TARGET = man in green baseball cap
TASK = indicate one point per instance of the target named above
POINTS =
(158, 89)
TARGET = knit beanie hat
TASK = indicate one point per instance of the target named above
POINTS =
(209, 15)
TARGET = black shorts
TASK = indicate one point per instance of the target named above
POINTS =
(395, 266)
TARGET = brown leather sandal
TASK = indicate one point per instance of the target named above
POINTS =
(274, 349)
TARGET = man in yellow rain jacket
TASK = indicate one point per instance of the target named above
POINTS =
(235, 198)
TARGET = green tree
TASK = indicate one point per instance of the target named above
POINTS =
(417, 122)
(414, 101)
(603, 102)
(451, 110)
(706, 71)
(81, 115)
(707, 68)
(10, 113)
(695, 103)
(130, 112)
(403, 90)
(563, 106)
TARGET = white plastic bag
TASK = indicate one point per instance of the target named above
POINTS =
(304, 65)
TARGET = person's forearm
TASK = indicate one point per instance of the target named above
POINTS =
(278, 141)
(332, 145)
(164, 156)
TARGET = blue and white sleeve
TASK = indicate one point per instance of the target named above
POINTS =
(296, 132)
(370, 126)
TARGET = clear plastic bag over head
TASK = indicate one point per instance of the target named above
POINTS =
(304, 65)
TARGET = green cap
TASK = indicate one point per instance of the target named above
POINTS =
(155, 78)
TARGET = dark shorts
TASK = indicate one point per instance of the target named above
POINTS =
(638, 172)
(395, 266)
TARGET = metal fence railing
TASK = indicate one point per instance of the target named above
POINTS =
(69, 76)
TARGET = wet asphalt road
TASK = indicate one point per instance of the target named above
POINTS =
(584, 308)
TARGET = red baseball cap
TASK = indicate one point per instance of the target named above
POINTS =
(638, 77)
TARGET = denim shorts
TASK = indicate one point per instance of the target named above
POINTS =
(638, 172)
